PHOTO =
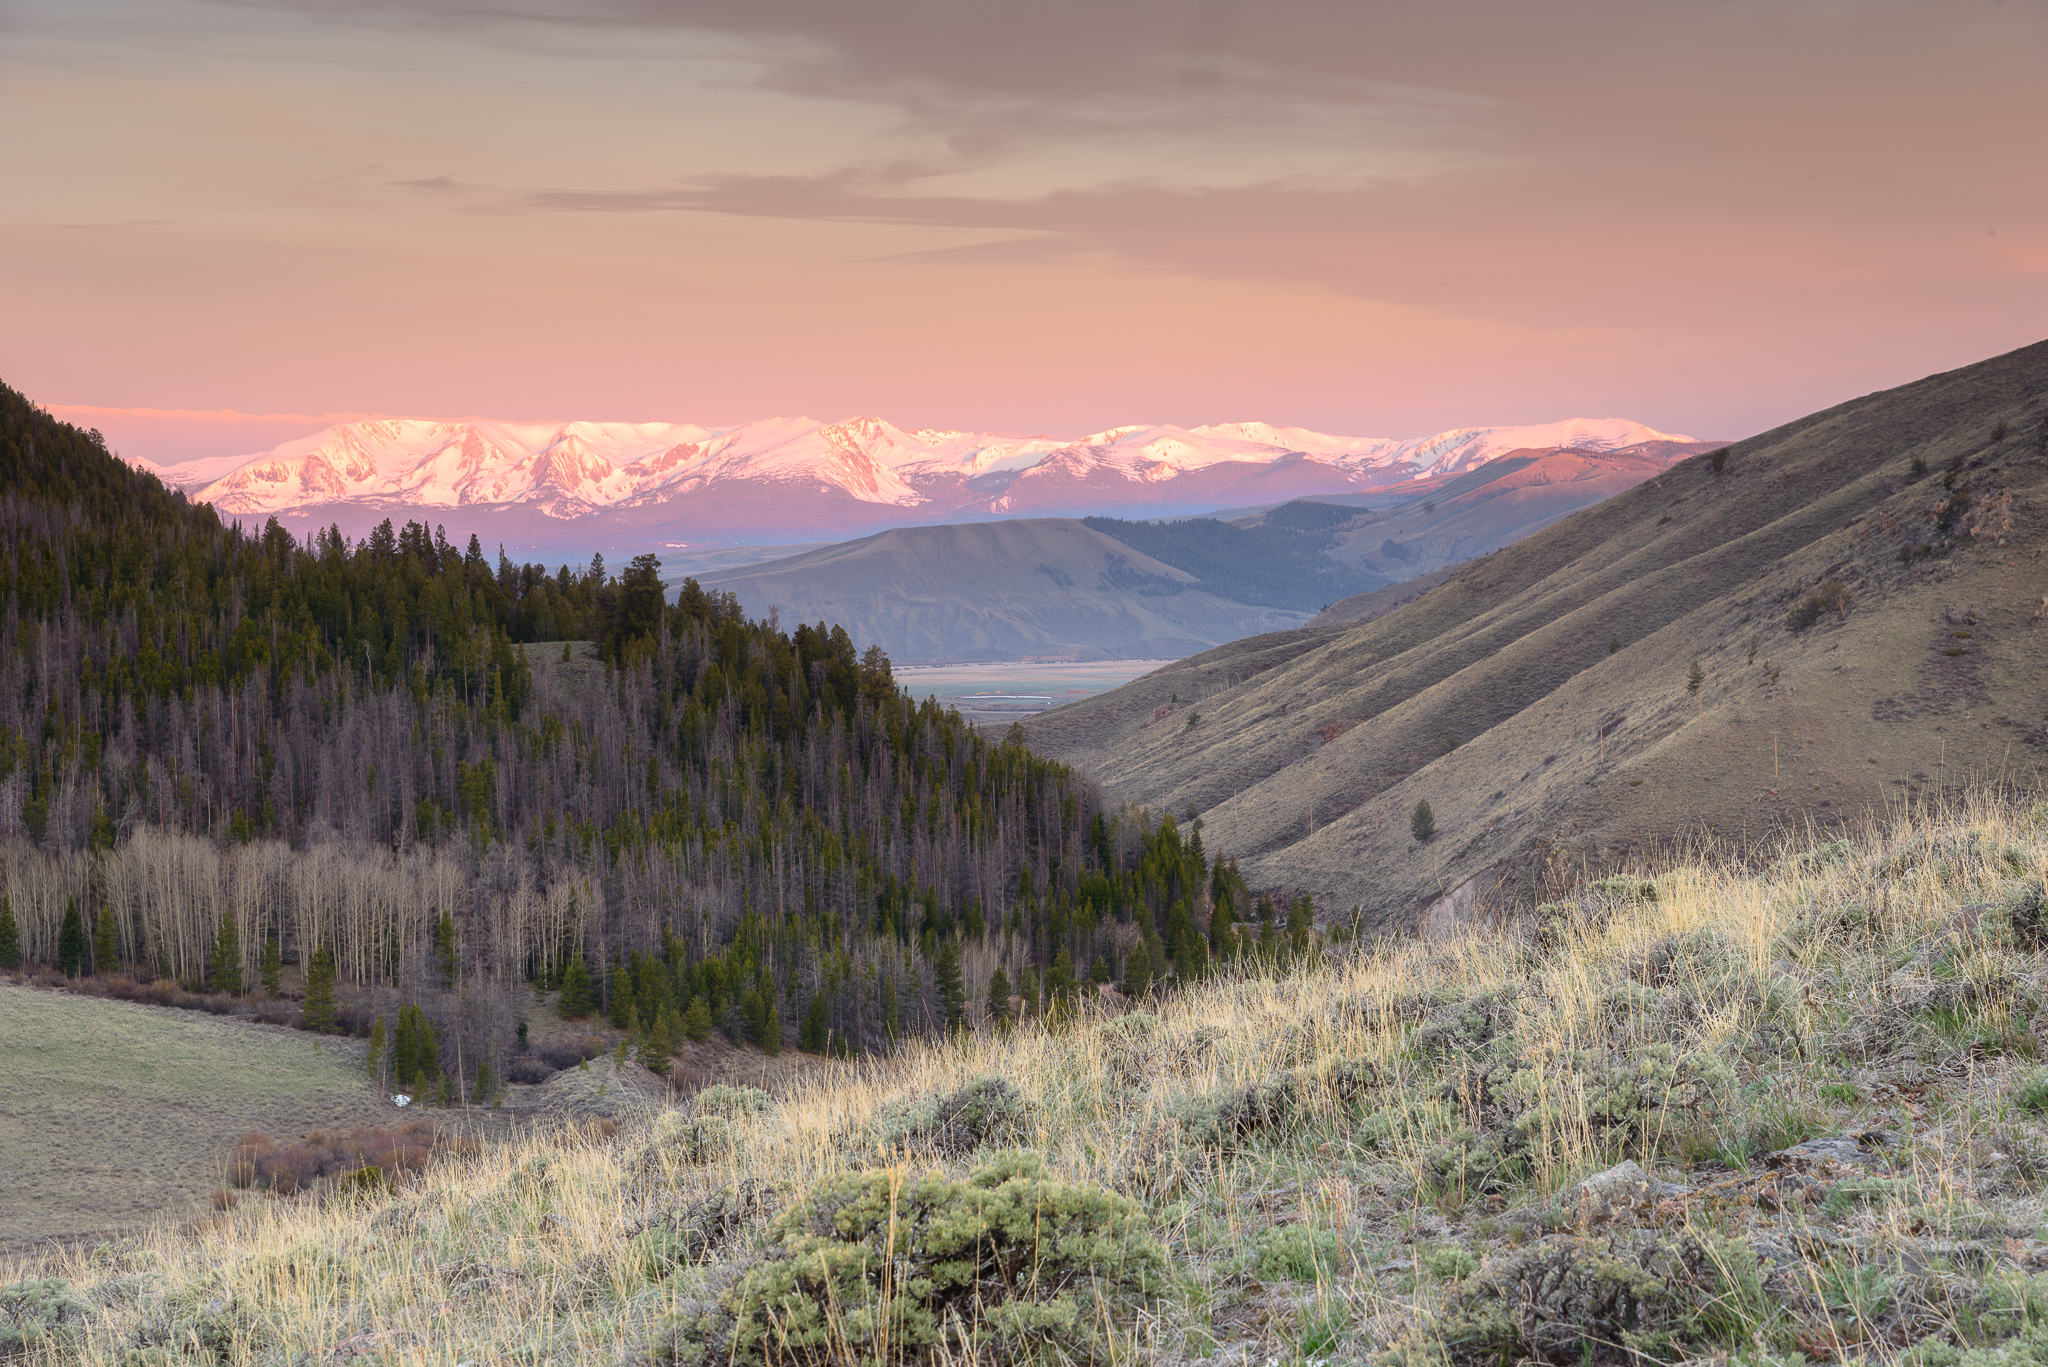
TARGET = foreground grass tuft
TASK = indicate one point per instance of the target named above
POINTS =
(1809, 1095)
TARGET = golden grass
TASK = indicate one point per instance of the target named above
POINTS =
(527, 1252)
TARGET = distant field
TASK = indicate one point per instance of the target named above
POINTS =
(1017, 686)
(113, 1114)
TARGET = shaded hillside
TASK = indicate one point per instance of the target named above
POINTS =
(1863, 591)
(1481, 511)
(1045, 588)
(1281, 562)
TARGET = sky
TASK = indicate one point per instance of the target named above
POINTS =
(229, 222)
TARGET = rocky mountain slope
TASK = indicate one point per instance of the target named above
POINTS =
(1863, 592)
(785, 478)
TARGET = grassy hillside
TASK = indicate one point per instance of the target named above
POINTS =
(116, 1114)
(1826, 1073)
(1862, 591)
(1279, 562)
(1046, 588)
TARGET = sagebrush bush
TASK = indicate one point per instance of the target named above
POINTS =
(39, 1314)
(1296, 1253)
(729, 1101)
(984, 1112)
(1011, 1263)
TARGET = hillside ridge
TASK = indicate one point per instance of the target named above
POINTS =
(1537, 697)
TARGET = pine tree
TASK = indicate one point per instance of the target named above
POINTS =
(621, 990)
(486, 1090)
(317, 1011)
(10, 938)
(106, 944)
(1027, 992)
(224, 972)
(697, 1022)
(415, 1054)
(999, 996)
(444, 948)
(771, 1030)
(378, 1038)
(952, 989)
(1059, 982)
(403, 1072)
(816, 1032)
(1301, 925)
(1222, 939)
(272, 967)
(1422, 821)
(658, 1050)
(71, 942)
(1100, 972)
(1138, 972)
(575, 1001)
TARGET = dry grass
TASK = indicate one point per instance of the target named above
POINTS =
(113, 1113)
(1338, 1163)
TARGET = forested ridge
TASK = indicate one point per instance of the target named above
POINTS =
(306, 746)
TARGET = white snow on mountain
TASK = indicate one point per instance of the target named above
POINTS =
(569, 469)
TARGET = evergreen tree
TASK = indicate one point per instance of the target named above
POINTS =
(697, 1022)
(1059, 982)
(620, 988)
(271, 968)
(71, 942)
(1222, 938)
(1422, 821)
(378, 1038)
(1100, 972)
(1027, 992)
(816, 1033)
(1301, 925)
(106, 943)
(999, 996)
(575, 1001)
(1269, 944)
(658, 1050)
(444, 948)
(10, 938)
(224, 972)
(415, 1053)
(402, 1052)
(951, 987)
(486, 1090)
(1138, 972)
(317, 1011)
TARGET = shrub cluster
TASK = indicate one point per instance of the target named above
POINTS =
(258, 1161)
(1009, 1264)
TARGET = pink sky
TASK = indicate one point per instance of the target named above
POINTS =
(1377, 220)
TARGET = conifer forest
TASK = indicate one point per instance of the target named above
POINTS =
(435, 775)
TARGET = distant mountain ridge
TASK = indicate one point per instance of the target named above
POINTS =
(787, 477)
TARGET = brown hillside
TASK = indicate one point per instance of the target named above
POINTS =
(1495, 695)
(1029, 588)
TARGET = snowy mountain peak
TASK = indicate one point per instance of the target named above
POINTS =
(568, 470)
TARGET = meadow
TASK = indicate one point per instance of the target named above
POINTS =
(117, 1114)
(1774, 1110)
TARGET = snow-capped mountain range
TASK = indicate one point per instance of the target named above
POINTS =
(786, 477)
